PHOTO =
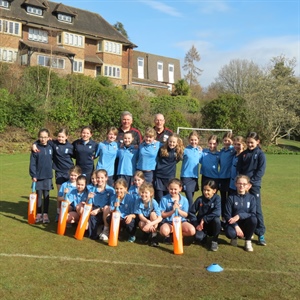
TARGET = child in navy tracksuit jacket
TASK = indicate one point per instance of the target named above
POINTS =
(240, 213)
(205, 214)
(40, 170)
(252, 162)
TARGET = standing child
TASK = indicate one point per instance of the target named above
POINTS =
(190, 167)
(40, 170)
(252, 162)
(205, 214)
(147, 209)
(84, 152)
(226, 155)
(240, 213)
(126, 205)
(168, 156)
(148, 150)
(127, 156)
(100, 210)
(168, 205)
(138, 180)
(210, 161)
(107, 153)
(239, 146)
(67, 187)
(77, 197)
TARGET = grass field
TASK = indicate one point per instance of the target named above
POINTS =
(36, 263)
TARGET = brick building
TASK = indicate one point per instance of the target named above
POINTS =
(69, 39)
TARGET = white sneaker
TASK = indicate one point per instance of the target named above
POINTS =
(248, 246)
(104, 234)
(214, 246)
(234, 242)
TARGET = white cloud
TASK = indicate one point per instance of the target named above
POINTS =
(169, 10)
(260, 51)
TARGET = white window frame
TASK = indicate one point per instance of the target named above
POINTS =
(112, 71)
(45, 61)
(38, 35)
(112, 47)
(160, 70)
(171, 73)
(10, 27)
(140, 63)
(78, 66)
(72, 39)
(34, 11)
(64, 18)
(8, 54)
(4, 4)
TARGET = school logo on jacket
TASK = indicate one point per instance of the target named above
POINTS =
(236, 203)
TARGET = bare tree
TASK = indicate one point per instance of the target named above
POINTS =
(239, 76)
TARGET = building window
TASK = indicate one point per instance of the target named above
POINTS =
(46, 61)
(73, 39)
(64, 18)
(38, 35)
(112, 71)
(77, 66)
(8, 55)
(160, 76)
(111, 47)
(171, 73)
(141, 67)
(10, 27)
(4, 4)
(34, 10)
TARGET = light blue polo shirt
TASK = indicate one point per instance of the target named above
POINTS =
(210, 164)
(166, 205)
(147, 156)
(146, 211)
(126, 207)
(127, 160)
(226, 157)
(190, 162)
(107, 153)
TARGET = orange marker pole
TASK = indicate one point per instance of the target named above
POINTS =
(32, 204)
(63, 216)
(177, 234)
(114, 227)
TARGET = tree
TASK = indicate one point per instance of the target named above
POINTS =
(227, 111)
(182, 88)
(239, 76)
(189, 66)
(274, 105)
(120, 27)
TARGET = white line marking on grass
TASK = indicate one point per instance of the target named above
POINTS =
(79, 259)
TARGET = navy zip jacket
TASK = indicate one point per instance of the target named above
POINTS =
(242, 205)
(206, 209)
(62, 156)
(84, 154)
(41, 162)
(253, 164)
(166, 166)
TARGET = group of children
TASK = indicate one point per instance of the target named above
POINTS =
(141, 181)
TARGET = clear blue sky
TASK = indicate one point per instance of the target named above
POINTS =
(220, 30)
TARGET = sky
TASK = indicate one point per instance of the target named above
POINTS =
(220, 30)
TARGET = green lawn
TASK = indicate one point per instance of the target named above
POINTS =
(36, 263)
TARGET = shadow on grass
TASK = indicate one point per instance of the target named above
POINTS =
(17, 211)
(289, 147)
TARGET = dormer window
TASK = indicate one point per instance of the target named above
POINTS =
(4, 3)
(34, 10)
(64, 18)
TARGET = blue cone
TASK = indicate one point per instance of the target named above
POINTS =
(214, 268)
